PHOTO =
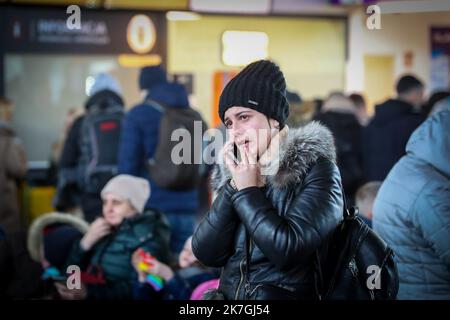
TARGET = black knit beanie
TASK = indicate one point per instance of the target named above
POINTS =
(259, 86)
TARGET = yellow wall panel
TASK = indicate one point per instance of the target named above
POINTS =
(378, 78)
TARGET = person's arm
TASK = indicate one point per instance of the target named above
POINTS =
(78, 256)
(71, 150)
(213, 240)
(67, 184)
(83, 249)
(16, 160)
(432, 217)
(132, 149)
(311, 217)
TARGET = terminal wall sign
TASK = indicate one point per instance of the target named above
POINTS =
(141, 34)
(93, 32)
(101, 32)
(440, 58)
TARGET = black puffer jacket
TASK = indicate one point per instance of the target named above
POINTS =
(287, 221)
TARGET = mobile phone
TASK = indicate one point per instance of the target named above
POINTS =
(236, 153)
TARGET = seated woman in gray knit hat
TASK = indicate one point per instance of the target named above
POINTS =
(279, 193)
(104, 252)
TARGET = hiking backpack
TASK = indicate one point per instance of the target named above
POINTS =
(163, 171)
(99, 145)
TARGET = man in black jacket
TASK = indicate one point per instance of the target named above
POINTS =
(278, 204)
(385, 138)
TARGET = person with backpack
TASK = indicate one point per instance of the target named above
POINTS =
(146, 151)
(89, 157)
(279, 195)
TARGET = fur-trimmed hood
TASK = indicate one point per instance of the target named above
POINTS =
(298, 152)
(35, 234)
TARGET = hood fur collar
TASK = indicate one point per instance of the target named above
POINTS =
(298, 152)
(35, 236)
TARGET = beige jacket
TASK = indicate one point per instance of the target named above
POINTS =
(13, 165)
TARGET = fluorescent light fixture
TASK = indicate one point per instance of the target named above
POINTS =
(239, 48)
(182, 16)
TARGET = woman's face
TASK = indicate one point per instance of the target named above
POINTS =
(249, 129)
(116, 209)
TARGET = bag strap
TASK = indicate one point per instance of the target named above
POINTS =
(318, 274)
(155, 105)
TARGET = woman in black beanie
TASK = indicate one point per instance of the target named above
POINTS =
(278, 198)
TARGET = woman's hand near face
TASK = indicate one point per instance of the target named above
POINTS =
(98, 229)
(245, 173)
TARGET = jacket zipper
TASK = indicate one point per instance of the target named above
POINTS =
(242, 273)
(248, 292)
(240, 281)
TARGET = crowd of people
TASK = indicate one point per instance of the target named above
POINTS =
(133, 225)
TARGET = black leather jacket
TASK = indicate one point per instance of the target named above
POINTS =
(286, 221)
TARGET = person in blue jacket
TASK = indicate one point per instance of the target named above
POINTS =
(138, 144)
(412, 211)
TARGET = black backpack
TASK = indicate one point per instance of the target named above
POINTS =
(162, 170)
(356, 265)
(99, 145)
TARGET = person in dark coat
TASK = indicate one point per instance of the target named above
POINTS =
(339, 115)
(278, 199)
(104, 253)
(385, 138)
(105, 93)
